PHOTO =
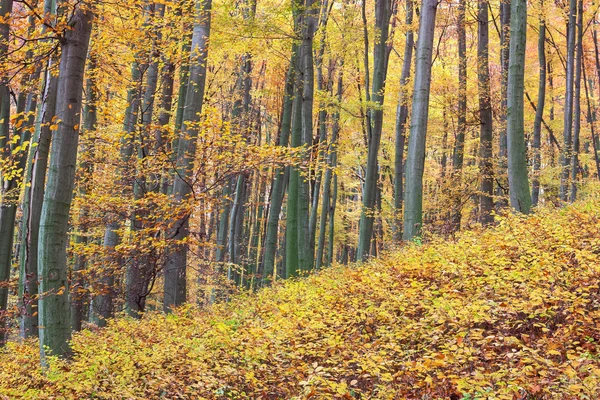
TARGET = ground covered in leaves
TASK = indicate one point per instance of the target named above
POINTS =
(512, 312)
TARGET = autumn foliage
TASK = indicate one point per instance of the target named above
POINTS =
(509, 312)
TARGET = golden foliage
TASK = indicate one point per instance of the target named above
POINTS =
(511, 312)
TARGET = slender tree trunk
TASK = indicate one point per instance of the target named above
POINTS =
(415, 161)
(32, 204)
(459, 144)
(591, 119)
(176, 266)
(518, 182)
(292, 229)
(401, 121)
(322, 123)
(577, 104)
(539, 114)
(90, 119)
(52, 253)
(383, 10)
(328, 206)
(568, 114)
(278, 186)
(504, 56)
(486, 167)
(9, 194)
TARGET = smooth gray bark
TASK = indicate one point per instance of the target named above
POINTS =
(328, 206)
(518, 181)
(175, 273)
(539, 114)
(415, 161)
(486, 167)
(78, 281)
(8, 196)
(577, 104)
(375, 124)
(568, 112)
(278, 186)
(401, 121)
(54, 308)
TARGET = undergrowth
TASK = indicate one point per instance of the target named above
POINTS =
(511, 312)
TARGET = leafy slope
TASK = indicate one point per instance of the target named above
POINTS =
(511, 312)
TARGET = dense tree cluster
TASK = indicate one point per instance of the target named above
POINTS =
(155, 153)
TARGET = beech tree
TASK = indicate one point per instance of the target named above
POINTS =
(54, 310)
(518, 181)
(415, 161)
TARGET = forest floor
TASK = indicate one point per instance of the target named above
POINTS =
(511, 312)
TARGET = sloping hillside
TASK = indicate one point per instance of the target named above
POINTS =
(512, 312)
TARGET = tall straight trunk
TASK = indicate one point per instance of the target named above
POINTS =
(383, 9)
(577, 104)
(278, 185)
(223, 228)
(330, 244)
(305, 247)
(568, 113)
(459, 145)
(415, 161)
(504, 56)
(184, 72)
(242, 122)
(32, 204)
(53, 240)
(486, 167)
(591, 119)
(90, 119)
(141, 269)
(9, 194)
(322, 123)
(292, 263)
(461, 128)
(102, 304)
(176, 262)
(328, 204)
(401, 120)
(539, 114)
(518, 182)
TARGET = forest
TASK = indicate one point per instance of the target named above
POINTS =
(277, 199)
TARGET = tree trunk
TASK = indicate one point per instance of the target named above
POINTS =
(328, 206)
(401, 121)
(591, 119)
(539, 114)
(175, 270)
(367, 217)
(415, 161)
(504, 56)
(486, 167)
(568, 114)
(518, 182)
(78, 280)
(8, 206)
(577, 104)
(278, 186)
(52, 253)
